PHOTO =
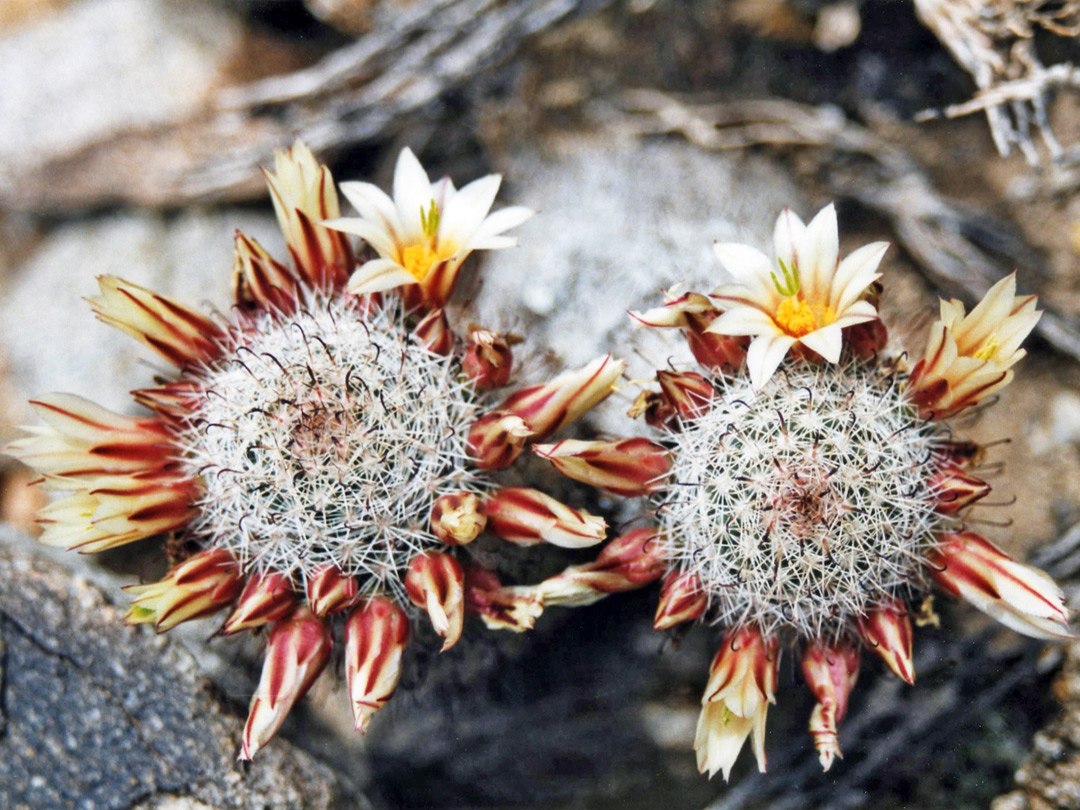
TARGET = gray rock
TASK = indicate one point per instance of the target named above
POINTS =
(97, 716)
(47, 331)
(618, 223)
(126, 63)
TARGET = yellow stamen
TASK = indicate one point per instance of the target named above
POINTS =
(795, 317)
(989, 349)
(418, 260)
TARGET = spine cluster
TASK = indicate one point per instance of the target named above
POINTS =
(805, 504)
(324, 438)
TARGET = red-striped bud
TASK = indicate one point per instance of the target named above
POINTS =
(688, 393)
(713, 351)
(887, 631)
(197, 587)
(867, 340)
(1019, 596)
(658, 411)
(180, 335)
(830, 672)
(434, 333)
(488, 361)
(500, 608)
(267, 597)
(496, 439)
(298, 649)
(548, 407)
(525, 516)
(956, 490)
(376, 633)
(259, 280)
(436, 582)
(457, 518)
(682, 599)
(628, 562)
(627, 467)
(329, 591)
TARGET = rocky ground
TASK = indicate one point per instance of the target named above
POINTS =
(135, 154)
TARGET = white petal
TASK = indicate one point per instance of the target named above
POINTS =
(371, 232)
(758, 740)
(859, 312)
(372, 204)
(717, 743)
(466, 210)
(855, 273)
(827, 341)
(786, 235)
(764, 355)
(412, 194)
(493, 243)
(743, 320)
(503, 220)
(378, 275)
(750, 268)
(818, 251)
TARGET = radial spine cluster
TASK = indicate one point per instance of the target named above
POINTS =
(324, 437)
(805, 504)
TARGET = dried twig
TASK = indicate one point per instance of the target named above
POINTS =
(993, 41)
(362, 93)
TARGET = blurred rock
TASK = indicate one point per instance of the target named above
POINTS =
(619, 222)
(99, 716)
(1050, 778)
(48, 334)
(126, 63)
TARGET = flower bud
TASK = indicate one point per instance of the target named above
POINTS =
(178, 334)
(329, 591)
(969, 357)
(376, 632)
(197, 587)
(682, 599)
(267, 597)
(956, 490)
(688, 393)
(627, 467)
(830, 672)
(488, 361)
(628, 562)
(713, 351)
(548, 407)
(434, 333)
(496, 439)
(436, 583)
(260, 280)
(1019, 596)
(304, 195)
(526, 516)
(457, 518)
(887, 631)
(296, 653)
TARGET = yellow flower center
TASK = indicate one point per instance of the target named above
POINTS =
(418, 260)
(989, 348)
(795, 317)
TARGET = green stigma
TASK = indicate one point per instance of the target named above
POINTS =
(791, 279)
(429, 220)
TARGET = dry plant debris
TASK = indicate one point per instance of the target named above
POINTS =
(362, 93)
(994, 41)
